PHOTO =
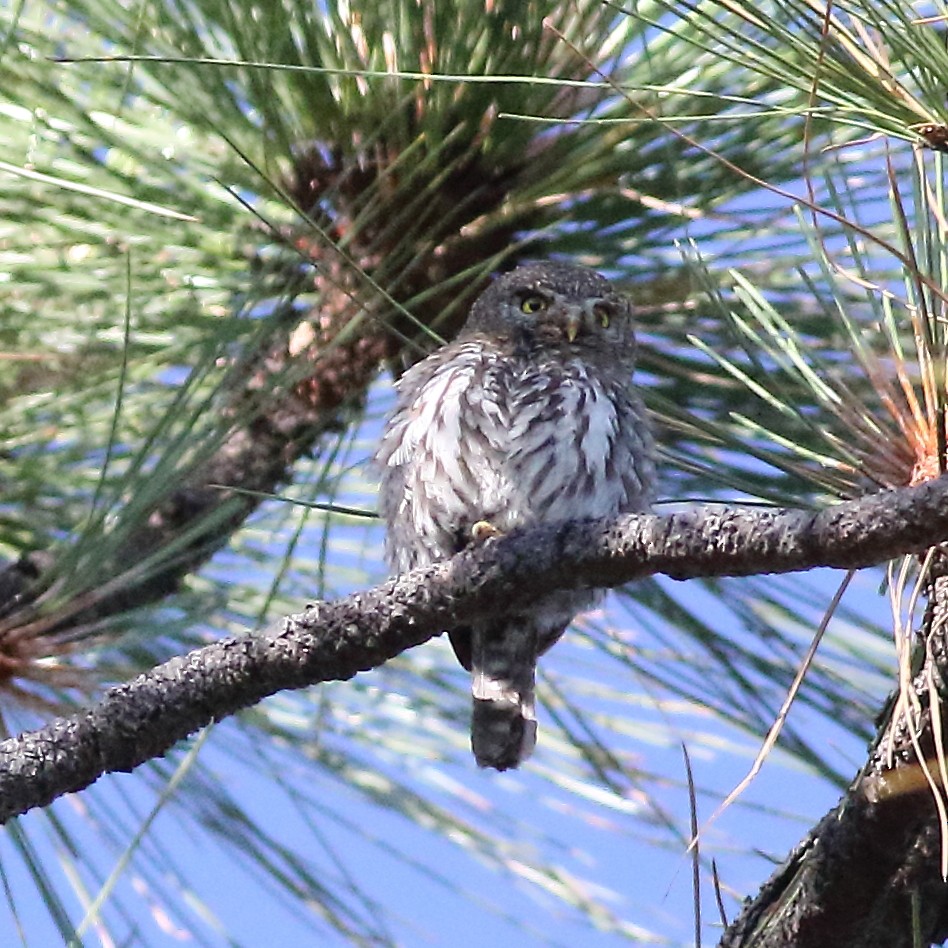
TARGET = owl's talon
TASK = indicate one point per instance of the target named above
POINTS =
(484, 530)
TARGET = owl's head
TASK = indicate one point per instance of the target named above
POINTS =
(563, 309)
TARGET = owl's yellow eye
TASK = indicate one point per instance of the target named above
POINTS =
(533, 304)
(602, 313)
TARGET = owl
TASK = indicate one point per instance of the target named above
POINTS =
(529, 415)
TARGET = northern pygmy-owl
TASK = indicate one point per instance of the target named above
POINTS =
(529, 415)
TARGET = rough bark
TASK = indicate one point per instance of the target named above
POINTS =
(869, 874)
(332, 641)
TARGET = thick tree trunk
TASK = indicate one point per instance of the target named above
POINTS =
(871, 874)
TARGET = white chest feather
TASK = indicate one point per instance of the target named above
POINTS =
(480, 441)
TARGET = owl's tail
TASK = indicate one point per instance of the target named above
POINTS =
(503, 672)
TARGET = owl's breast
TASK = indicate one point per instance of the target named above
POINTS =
(512, 443)
(561, 441)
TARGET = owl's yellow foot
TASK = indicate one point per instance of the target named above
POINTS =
(484, 530)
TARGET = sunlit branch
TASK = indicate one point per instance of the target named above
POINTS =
(332, 641)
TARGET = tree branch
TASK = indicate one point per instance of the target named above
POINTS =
(333, 641)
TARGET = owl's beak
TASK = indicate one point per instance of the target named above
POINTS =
(574, 322)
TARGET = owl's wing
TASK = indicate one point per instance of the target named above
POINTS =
(460, 639)
(408, 454)
(435, 455)
(633, 452)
